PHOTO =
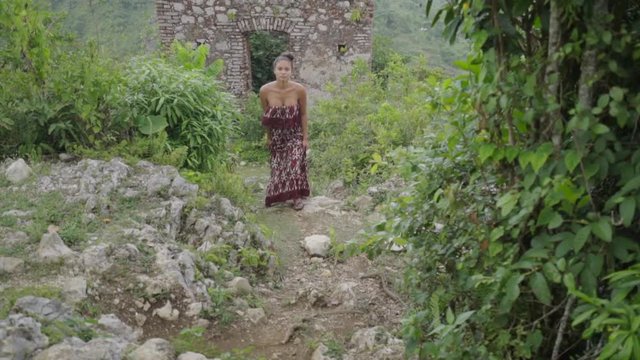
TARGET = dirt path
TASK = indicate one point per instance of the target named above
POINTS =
(314, 300)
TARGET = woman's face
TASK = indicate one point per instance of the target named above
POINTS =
(282, 70)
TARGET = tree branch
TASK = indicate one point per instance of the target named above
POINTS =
(561, 328)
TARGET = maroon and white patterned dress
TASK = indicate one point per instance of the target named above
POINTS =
(288, 156)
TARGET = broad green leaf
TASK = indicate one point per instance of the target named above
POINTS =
(536, 254)
(507, 202)
(571, 160)
(583, 317)
(602, 229)
(540, 288)
(450, 316)
(546, 216)
(496, 233)
(581, 237)
(512, 292)
(628, 210)
(616, 93)
(463, 317)
(540, 156)
(613, 346)
(594, 263)
(603, 100)
(551, 272)
(564, 247)
(569, 281)
(485, 151)
(152, 124)
(600, 129)
(556, 221)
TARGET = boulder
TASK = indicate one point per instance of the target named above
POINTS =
(20, 336)
(74, 289)
(317, 245)
(319, 353)
(167, 312)
(192, 356)
(256, 315)
(52, 248)
(44, 308)
(18, 171)
(111, 324)
(240, 285)
(154, 349)
(76, 349)
(9, 265)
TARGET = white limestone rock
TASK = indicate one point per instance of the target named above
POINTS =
(18, 171)
(317, 245)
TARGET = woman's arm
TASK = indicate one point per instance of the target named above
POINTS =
(303, 116)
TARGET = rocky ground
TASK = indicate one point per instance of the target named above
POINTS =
(104, 260)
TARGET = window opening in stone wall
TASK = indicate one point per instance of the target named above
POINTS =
(342, 49)
(264, 46)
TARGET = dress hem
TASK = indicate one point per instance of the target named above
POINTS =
(282, 197)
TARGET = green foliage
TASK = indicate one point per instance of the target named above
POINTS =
(50, 209)
(250, 139)
(218, 254)
(527, 199)
(198, 113)
(221, 182)
(382, 116)
(255, 260)
(265, 47)
(57, 93)
(154, 147)
(193, 339)
(220, 302)
(57, 330)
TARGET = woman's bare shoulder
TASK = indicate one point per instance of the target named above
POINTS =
(266, 87)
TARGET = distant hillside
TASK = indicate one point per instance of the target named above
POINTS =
(410, 32)
(120, 27)
(127, 27)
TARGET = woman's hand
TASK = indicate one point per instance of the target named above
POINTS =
(305, 144)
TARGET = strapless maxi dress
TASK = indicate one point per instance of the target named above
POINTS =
(288, 156)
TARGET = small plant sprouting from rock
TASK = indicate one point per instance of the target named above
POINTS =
(192, 339)
(356, 15)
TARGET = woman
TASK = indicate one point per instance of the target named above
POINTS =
(285, 116)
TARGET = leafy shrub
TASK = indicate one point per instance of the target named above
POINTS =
(520, 215)
(250, 140)
(193, 339)
(221, 182)
(197, 113)
(154, 147)
(352, 133)
(59, 94)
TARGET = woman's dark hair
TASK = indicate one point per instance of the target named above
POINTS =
(284, 56)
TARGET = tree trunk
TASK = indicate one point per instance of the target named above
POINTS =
(552, 126)
(589, 57)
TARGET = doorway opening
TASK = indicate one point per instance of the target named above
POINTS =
(264, 46)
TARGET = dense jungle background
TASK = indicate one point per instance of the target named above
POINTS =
(511, 125)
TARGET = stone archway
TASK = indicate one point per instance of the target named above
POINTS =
(263, 48)
(325, 37)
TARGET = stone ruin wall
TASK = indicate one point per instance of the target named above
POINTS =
(326, 37)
